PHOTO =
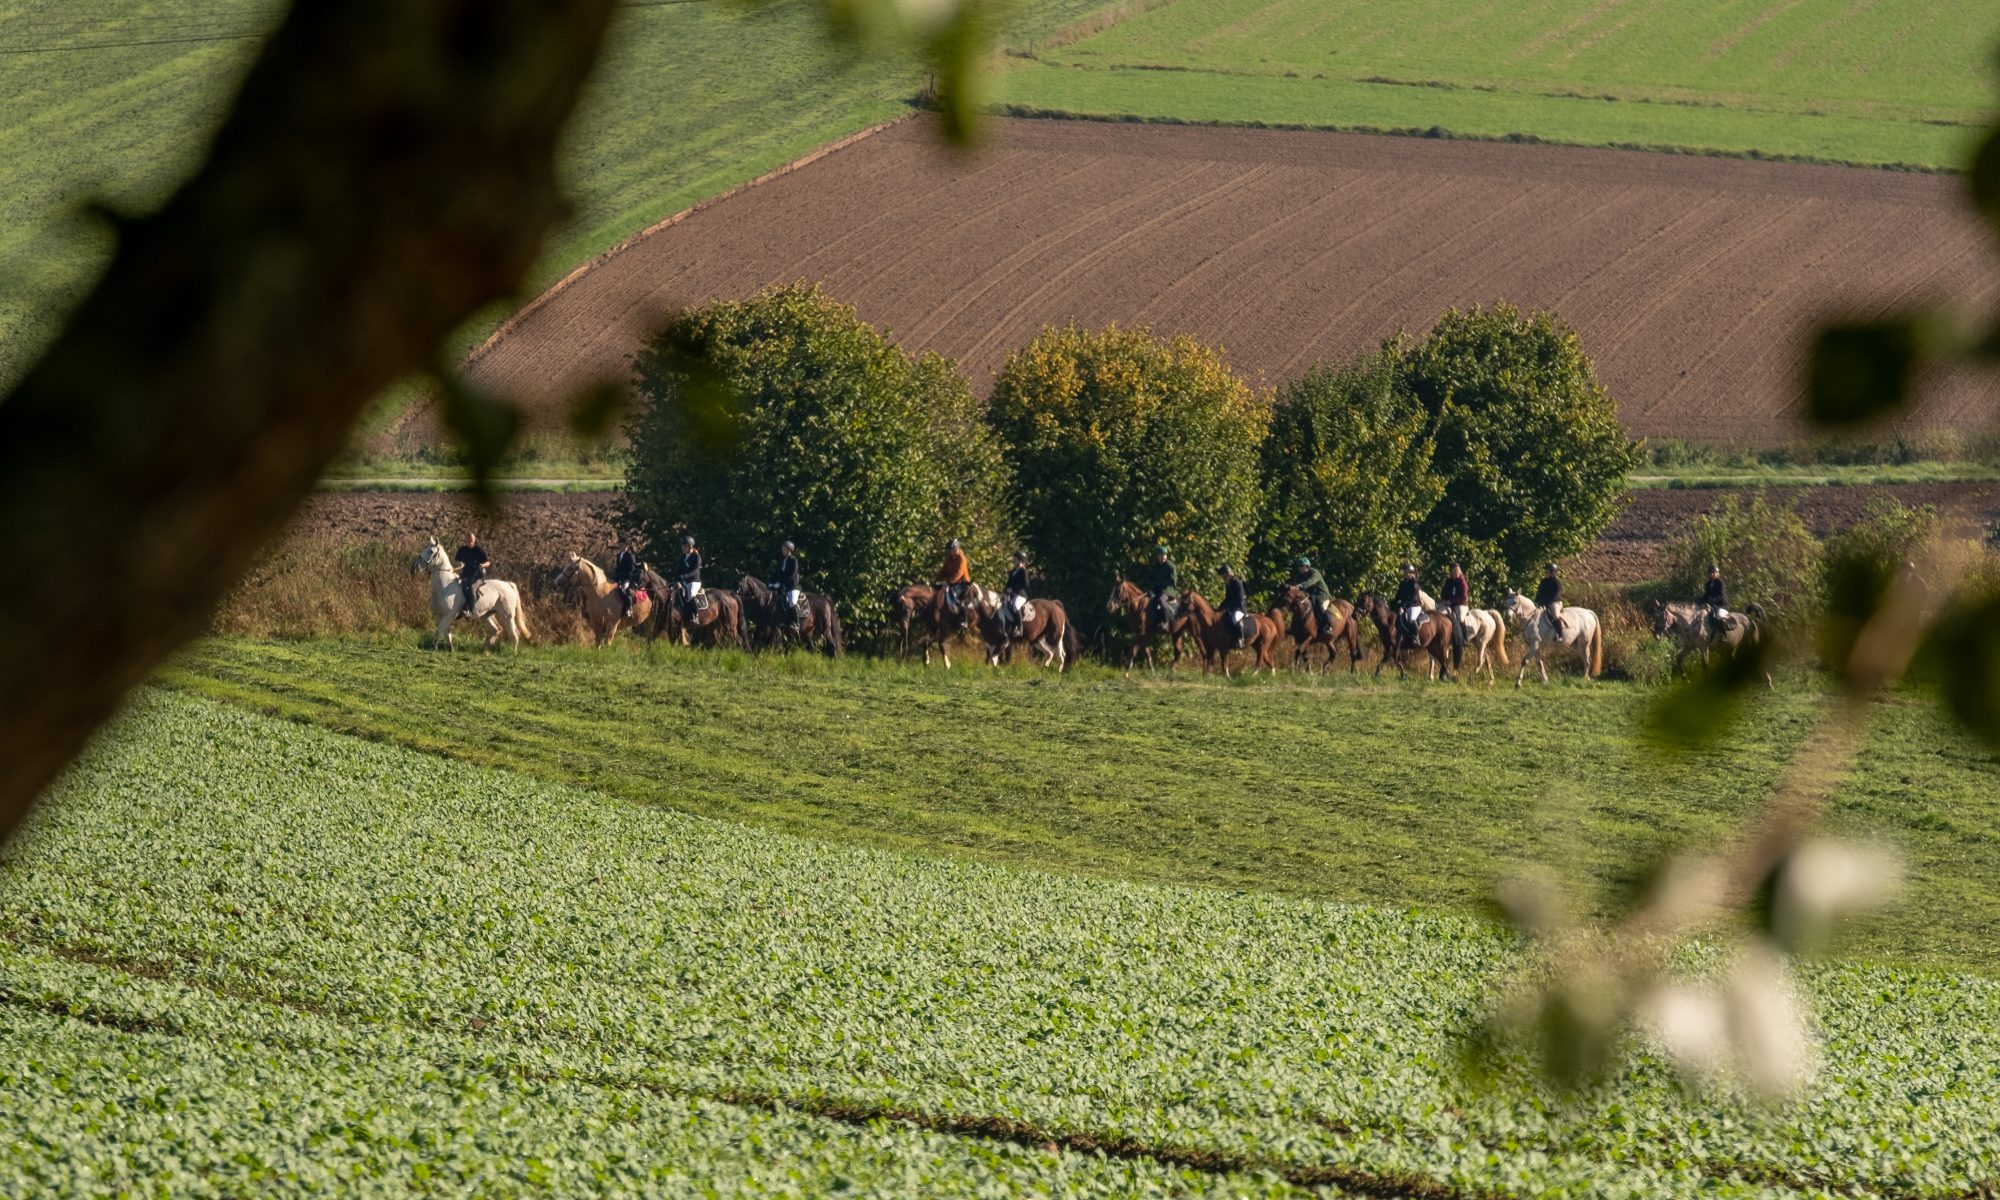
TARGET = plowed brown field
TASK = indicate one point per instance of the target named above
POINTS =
(1691, 279)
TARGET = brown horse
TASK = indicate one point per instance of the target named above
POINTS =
(1433, 636)
(816, 623)
(1217, 639)
(1046, 632)
(1130, 601)
(1310, 627)
(718, 622)
(923, 609)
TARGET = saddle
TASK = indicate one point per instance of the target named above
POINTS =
(1165, 611)
(1246, 629)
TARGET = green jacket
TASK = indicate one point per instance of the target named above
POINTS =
(1163, 579)
(1313, 584)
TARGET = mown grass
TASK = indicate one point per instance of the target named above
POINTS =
(113, 103)
(1820, 80)
(1419, 795)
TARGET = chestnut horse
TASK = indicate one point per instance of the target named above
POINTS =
(1433, 636)
(1047, 633)
(1130, 601)
(1310, 627)
(921, 608)
(603, 608)
(1217, 639)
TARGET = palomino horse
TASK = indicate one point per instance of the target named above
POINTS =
(1130, 601)
(1579, 631)
(1310, 627)
(603, 609)
(1695, 632)
(1481, 628)
(1433, 636)
(1217, 639)
(494, 601)
(718, 621)
(765, 610)
(1045, 631)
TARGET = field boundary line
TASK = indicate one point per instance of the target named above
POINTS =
(555, 289)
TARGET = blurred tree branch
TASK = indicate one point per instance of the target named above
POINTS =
(387, 168)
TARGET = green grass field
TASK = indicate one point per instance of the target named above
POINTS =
(113, 103)
(1820, 79)
(1420, 794)
(243, 956)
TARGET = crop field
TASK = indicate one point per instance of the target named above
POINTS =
(1830, 80)
(1691, 281)
(112, 100)
(243, 955)
(1346, 790)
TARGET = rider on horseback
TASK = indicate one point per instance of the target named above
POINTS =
(1163, 585)
(626, 574)
(1453, 596)
(786, 584)
(1549, 597)
(955, 576)
(1307, 579)
(1714, 599)
(1014, 600)
(472, 561)
(689, 577)
(1234, 604)
(1409, 600)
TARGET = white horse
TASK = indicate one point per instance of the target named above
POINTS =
(494, 601)
(1579, 631)
(1483, 630)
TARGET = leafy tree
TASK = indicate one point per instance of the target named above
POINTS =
(1347, 474)
(1121, 441)
(1529, 447)
(1766, 552)
(831, 437)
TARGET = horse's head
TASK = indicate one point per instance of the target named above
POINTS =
(1121, 595)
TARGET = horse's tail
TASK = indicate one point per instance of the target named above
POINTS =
(1072, 643)
(1500, 638)
(521, 617)
(1596, 649)
(833, 634)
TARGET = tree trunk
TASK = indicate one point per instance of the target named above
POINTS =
(386, 170)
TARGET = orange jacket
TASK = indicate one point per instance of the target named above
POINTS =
(956, 568)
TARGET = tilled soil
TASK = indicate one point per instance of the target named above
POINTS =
(1691, 280)
(536, 529)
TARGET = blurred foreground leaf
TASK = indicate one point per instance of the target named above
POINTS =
(1963, 656)
(1692, 714)
(484, 426)
(1860, 371)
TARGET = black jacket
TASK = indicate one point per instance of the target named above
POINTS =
(1550, 591)
(691, 567)
(471, 563)
(627, 570)
(1162, 577)
(1453, 591)
(1233, 597)
(1017, 581)
(1407, 594)
(1712, 595)
(787, 578)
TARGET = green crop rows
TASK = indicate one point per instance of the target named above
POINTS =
(241, 955)
(1819, 79)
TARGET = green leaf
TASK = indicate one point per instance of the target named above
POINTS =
(1984, 177)
(1692, 714)
(1860, 371)
(484, 425)
(1963, 654)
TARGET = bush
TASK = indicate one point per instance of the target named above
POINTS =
(787, 416)
(1767, 554)
(1346, 475)
(1121, 441)
(1532, 457)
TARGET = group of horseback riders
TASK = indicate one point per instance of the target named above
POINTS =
(1162, 584)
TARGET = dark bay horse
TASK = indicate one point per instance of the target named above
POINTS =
(765, 610)
(1130, 601)
(1433, 636)
(1309, 627)
(719, 622)
(1217, 639)
(922, 610)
